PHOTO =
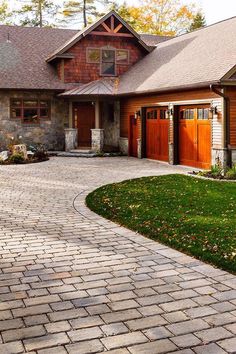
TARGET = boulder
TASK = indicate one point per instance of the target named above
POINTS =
(4, 155)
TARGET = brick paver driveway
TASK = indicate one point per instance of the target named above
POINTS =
(72, 282)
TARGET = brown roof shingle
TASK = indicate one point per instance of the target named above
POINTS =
(194, 59)
(23, 51)
(154, 39)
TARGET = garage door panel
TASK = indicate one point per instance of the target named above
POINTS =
(152, 139)
(186, 149)
(164, 141)
(203, 146)
(195, 136)
(157, 132)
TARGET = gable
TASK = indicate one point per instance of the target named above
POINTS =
(230, 75)
(81, 69)
(110, 25)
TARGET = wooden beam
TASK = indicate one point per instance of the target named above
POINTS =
(112, 23)
(118, 28)
(106, 27)
(97, 33)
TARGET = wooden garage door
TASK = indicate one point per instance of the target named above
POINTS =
(195, 136)
(157, 132)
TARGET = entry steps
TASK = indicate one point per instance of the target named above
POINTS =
(82, 153)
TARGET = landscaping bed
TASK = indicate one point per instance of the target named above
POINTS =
(217, 172)
(16, 153)
(192, 215)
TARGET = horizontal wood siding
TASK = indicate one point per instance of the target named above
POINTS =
(231, 93)
(217, 125)
(132, 104)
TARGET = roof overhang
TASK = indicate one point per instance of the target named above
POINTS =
(199, 85)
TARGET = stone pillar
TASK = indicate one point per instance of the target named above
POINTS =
(139, 148)
(97, 140)
(171, 134)
(71, 139)
(124, 146)
(219, 157)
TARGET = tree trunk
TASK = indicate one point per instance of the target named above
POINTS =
(40, 14)
(84, 13)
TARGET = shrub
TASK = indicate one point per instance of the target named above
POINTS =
(40, 152)
(16, 158)
(231, 173)
(216, 171)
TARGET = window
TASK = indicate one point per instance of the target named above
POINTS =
(152, 114)
(203, 113)
(108, 62)
(30, 111)
(187, 114)
(164, 114)
(108, 58)
(93, 55)
(122, 56)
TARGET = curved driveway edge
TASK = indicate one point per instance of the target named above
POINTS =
(73, 282)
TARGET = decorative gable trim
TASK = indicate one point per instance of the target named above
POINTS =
(109, 30)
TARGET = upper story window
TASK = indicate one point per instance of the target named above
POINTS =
(108, 62)
(108, 58)
(30, 111)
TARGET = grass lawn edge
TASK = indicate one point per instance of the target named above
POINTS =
(213, 259)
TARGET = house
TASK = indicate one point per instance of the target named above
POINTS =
(109, 88)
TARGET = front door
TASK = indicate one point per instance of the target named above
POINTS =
(84, 121)
(195, 136)
(157, 133)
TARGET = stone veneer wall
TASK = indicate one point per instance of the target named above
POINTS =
(49, 132)
(111, 125)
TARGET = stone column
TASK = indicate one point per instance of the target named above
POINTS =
(97, 140)
(70, 139)
(171, 134)
(124, 146)
(139, 148)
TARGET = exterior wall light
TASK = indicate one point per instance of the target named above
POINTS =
(170, 112)
(213, 109)
(137, 114)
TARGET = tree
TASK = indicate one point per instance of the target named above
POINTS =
(84, 11)
(199, 21)
(5, 14)
(163, 17)
(37, 13)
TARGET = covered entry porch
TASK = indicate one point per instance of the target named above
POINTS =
(94, 118)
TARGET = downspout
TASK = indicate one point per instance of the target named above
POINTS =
(226, 138)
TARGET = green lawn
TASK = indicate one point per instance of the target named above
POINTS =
(192, 215)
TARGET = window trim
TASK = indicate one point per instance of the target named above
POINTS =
(100, 58)
(101, 62)
(128, 56)
(22, 107)
(87, 55)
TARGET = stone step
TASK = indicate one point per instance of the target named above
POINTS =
(77, 154)
(81, 151)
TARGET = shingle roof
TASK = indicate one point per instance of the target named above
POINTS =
(101, 87)
(201, 57)
(23, 51)
(153, 39)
